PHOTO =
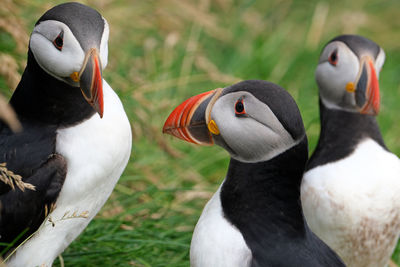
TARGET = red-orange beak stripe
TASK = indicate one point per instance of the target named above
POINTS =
(374, 88)
(91, 82)
(178, 121)
(97, 87)
(373, 97)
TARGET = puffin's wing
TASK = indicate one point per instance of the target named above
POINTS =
(29, 154)
(26, 151)
(24, 211)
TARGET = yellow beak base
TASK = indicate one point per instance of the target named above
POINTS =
(213, 128)
(350, 87)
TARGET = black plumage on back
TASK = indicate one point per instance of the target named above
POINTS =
(30, 154)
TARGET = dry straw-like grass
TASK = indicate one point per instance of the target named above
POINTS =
(8, 115)
(68, 215)
(9, 70)
(13, 180)
(12, 24)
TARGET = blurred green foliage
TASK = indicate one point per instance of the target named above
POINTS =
(164, 51)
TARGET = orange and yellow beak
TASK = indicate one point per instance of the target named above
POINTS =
(367, 89)
(91, 81)
(190, 121)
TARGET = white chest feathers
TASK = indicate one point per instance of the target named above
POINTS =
(354, 204)
(216, 242)
(97, 151)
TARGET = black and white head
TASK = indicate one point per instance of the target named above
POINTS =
(347, 74)
(253, 120)
(70, 43)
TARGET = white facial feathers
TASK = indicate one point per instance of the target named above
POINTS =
(256, 136)
(104, 45)
(379, 61)
(58, 63)
(62, 63)
(332, 79)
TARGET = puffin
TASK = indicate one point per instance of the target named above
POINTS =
(75, 140)
(350, 191)
(255, 218)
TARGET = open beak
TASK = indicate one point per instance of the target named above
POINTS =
(367, 89)
(91, 81)
(190, 121)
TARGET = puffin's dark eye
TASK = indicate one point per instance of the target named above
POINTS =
(59, 41)
(333, 58)
(239, 107)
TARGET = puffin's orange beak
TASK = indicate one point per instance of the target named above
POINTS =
(91, 81)
(188, 121)
(367, 92)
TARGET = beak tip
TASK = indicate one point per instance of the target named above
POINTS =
(180, 123)
(91, 81)
(167, 126)
(98, 107)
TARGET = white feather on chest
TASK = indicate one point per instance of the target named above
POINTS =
(97, 151)
(353, 204)
(215, 241)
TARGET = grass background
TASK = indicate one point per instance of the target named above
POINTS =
(164, 51)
